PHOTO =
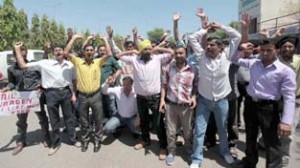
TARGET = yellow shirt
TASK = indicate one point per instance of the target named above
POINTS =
(87, 75)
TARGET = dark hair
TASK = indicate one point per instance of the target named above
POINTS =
(267, 41)
(88, 45)
(57, 46)
(127, 78)
(23, 48)
(127, 43)
(218, 40)
(99, 46)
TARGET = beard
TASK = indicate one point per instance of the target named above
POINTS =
(180, 61)
(146, 57)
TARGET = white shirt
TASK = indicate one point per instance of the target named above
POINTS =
(214, 73)
(147, 76)
(53, 74)
(127, 106)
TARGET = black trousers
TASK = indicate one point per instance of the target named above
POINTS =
(93, 101)
(144, 104)
(232, 127)
(266, 116)
(54, 99)
(241, 98)
(43, 121)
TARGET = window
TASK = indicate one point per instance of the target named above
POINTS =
(253, 26)
(10, 59)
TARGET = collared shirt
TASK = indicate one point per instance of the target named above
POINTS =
(127, 106)
(213, 72)
(180, 83)
(270, 83)
(295, 65)
(243, 74)
(87, 75)
(147, 76)
(54, 74)
(23, 79)
(109, 68)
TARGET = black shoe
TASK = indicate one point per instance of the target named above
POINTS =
(97, 146)
(116, 134)
(84, 146)
(136, 135)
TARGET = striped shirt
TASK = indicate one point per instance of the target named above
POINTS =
(181, 84)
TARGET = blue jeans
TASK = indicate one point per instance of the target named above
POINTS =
(116, 121)
(204, 108)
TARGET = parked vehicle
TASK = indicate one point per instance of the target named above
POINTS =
(7, 59)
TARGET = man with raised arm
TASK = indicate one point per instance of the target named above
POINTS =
(57, 76)
(147, 85)
(213, 87)
(88, 73)
(270, 80)
(26, 80)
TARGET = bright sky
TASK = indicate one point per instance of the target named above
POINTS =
(123, 15)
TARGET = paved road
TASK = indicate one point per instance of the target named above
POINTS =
(117, 153)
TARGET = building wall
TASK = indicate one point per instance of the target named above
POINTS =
(267, 10)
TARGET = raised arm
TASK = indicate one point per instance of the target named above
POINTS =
(162, 50)
(69, 46)
(127, 53)
(198, 36)
(278, 33)
(264, 33)
(245, 22)
(176, 17)
(135, 38)
(108, 49)
(115, 49)
(204, 23)
(234, 36)
(165, 35)
(22, 64)
(47, 50)
(87, 40)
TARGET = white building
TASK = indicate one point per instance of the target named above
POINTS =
(271, 15)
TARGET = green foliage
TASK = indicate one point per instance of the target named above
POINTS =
(234, 24)
(10, 25)
(155, 34)
(119, 40)
(35, 33)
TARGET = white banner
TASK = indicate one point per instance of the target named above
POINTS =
(14, 102)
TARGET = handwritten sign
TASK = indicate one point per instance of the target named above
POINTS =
(14, 102)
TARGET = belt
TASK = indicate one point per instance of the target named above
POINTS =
(177, 104)
(57, 89)
(89, 94)
(243, 83)
(264, 101)
(151, 97)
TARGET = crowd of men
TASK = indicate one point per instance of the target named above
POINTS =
(193, 87)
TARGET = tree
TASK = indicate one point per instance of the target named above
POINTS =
(9, 24)
(53, 33)
(35, 33)
(234, 24)
(46, 30)
(119, 40)
(155, 34)
(61, 36)
(23, 28)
